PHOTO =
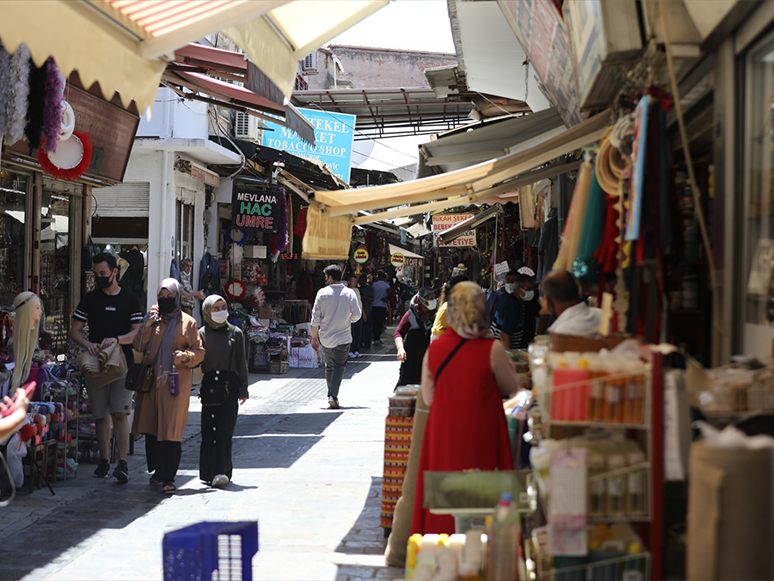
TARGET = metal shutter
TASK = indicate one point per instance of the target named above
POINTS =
(127, 200)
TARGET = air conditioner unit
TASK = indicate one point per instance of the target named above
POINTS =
(246, 127)
(309, 64)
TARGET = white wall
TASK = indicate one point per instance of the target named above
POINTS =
(173, 117)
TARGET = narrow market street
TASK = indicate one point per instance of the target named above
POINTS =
(310, 476)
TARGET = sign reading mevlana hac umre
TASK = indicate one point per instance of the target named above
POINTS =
(255, 209)
(333, 132)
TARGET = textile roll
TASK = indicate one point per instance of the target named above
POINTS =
(730, 513)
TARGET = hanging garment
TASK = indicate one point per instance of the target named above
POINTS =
(209, 274)
(548, 247)
(585, 266)
(572, 226)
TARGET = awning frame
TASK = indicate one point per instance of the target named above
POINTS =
(473, 222)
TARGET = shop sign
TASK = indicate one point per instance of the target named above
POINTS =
(361, 255)
(412, 262)
(501, 268)
(255, 209)
(333, 133)
(443, 222)
(397, 260)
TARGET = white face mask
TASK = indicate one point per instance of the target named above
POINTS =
(510, 287)
(432, 304)
(219, 317)
(528, 296)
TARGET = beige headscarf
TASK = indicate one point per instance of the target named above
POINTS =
(467, 312)
(209, 302)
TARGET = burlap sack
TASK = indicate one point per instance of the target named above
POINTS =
(395, 554)
(730, 514)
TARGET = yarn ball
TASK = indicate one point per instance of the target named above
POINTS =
(26, 432)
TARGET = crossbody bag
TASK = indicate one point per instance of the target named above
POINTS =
(141, 377)
(448, 358)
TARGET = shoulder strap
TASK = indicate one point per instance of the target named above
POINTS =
(448, 358)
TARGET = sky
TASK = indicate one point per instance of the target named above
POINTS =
(406, 25)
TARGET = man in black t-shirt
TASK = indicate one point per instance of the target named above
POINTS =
(113, 314)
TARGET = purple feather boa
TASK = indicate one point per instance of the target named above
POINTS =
(52, 106)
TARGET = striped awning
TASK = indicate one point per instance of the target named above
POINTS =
(125, 44)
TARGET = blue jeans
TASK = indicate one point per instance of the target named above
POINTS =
(335, 361)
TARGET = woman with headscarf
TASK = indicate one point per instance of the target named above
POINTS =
(160, 415)
(465, 376)
(224, 346)
(413, 335)
(441, 322)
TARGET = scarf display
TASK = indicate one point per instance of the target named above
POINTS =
(14, 97)
(35, 105)
(166, 348)
(52, 106)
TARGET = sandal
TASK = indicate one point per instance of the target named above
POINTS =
(169, 488)
(154, 482)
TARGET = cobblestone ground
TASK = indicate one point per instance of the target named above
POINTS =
(310, 476)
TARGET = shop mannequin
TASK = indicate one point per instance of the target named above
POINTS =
(26, 329)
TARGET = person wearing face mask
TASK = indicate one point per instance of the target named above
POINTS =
(563, 300)
(113, 314)
(517, 306)
(161, 414)
(413, 335)
(224, 346)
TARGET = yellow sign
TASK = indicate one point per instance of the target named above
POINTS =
(361, 255)
(397, 260)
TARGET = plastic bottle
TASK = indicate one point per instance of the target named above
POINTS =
(174, 381)
(504, 542)
(570, 392)
(412, 551)
(596, 392)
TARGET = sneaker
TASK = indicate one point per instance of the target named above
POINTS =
(103, 469)
(333, 403)
(122, 471)
(352, 355)
(220, 481)
(357, 354)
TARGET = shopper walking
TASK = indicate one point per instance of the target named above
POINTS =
(511, 324)
(224, 359)
(113, 314)
(367, 299)
(357, 326)
(379, 309)
(159, 414)
(335, 309)
(413, 335)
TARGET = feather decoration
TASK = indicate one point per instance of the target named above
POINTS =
(52, 106)
(34, 128)
(20, 89)
(5, 88)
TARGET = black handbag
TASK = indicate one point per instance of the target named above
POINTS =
(217, 384)
(141, 377)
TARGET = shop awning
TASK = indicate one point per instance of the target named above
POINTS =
(466, 186)
(456, 231)
(125, 44)
(412, 259)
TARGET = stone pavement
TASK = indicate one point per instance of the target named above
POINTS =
(310, 476)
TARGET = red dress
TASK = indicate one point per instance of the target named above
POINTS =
(466, 427)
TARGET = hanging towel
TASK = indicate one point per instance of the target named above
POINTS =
(585, 265)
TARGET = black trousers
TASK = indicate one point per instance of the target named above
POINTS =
(368, 333)
(218, 423)
(379, 314)
(163, 458)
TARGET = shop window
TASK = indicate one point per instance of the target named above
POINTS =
(14, 197)
(58, 236)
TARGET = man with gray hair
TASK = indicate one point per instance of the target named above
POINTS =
(335, 309)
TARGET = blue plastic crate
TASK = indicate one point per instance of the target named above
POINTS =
(211, 550)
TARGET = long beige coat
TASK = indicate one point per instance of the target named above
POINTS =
(158, 412)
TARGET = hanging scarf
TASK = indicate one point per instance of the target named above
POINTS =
(166, 348)
(20, 90)
(36, 102)
(5, 88)
(209, 302)
(52, 106)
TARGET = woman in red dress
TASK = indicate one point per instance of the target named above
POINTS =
(466, 428)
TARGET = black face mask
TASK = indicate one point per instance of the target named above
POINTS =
(166, 304)
(103, 282)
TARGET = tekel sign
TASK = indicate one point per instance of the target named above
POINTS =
(397, 260)
(333, 133)
(361, 255)
(254, 209)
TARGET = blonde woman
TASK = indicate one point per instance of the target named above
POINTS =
(26, 327)
(465, 376)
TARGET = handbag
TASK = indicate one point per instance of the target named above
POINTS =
(142, 376)
(216, 383)
(105, 367)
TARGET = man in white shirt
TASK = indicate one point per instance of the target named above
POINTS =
(379, 308)
(335, 309)
(562, 296)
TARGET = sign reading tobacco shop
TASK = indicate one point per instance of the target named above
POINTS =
(253, 208)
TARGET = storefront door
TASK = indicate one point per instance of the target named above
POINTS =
(14, 231)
